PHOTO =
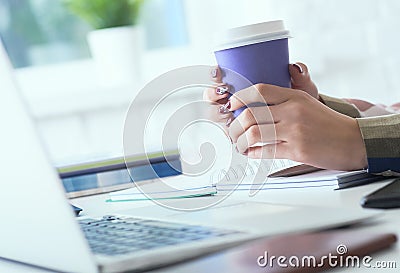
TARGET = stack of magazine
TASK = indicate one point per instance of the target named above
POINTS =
(111, 174)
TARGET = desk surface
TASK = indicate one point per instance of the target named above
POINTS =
(322, 197)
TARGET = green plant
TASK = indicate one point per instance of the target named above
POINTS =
(106, 13)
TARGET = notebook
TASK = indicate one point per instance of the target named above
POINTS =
(252, 175)
(266, 167)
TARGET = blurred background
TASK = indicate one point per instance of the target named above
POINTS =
(79, 97)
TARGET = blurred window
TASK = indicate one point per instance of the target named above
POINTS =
(37, 32)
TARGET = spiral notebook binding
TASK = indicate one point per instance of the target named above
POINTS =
(250, 169)
(235, 172)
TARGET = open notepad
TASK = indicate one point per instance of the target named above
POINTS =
(323, 178)
(262, 168)
(255, 176)
(281, 174)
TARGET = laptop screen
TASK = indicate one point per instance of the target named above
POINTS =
(38, 224)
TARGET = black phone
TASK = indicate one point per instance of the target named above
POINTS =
(387, 197)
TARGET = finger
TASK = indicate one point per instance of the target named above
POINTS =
(249, 117)
(217, 93)
(298, 73)
(256, 135)
(273, 151)
(214, 114)
(267, 151)
(259, 93)
(300, 77)
(216, 74)
(297, 70)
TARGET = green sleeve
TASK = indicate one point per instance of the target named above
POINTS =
(340, 106)
(382, 141)
(381, 136)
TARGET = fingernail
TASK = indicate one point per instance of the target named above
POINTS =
(228, 122)
(227, 105)
(298, 68)
(214, 72)
(223, 110)
(220, 90)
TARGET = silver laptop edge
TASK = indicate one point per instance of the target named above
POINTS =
(38, 225)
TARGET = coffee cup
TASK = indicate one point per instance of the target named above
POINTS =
(259, 53)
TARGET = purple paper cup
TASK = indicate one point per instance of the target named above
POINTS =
(258, 52)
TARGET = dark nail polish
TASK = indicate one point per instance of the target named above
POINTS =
(298, 68)
(228, 122)
(228, 105)
(214, 72)
(223, 110)
(220, 90)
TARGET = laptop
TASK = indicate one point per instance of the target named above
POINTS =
(39, 228)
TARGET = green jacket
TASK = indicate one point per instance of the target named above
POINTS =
(381, 137)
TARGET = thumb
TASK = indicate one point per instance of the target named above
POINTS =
(301, 79)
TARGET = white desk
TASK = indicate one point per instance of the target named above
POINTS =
(323, 197)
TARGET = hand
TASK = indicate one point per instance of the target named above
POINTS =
(301, 128)
(218, 95)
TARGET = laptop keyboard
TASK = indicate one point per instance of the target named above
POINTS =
(115, 235)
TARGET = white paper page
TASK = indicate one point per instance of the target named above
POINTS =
(315, 179)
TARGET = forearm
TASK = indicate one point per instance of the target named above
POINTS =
(382, 142)
(381, 134)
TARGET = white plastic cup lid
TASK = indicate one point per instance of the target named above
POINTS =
(252, 34)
